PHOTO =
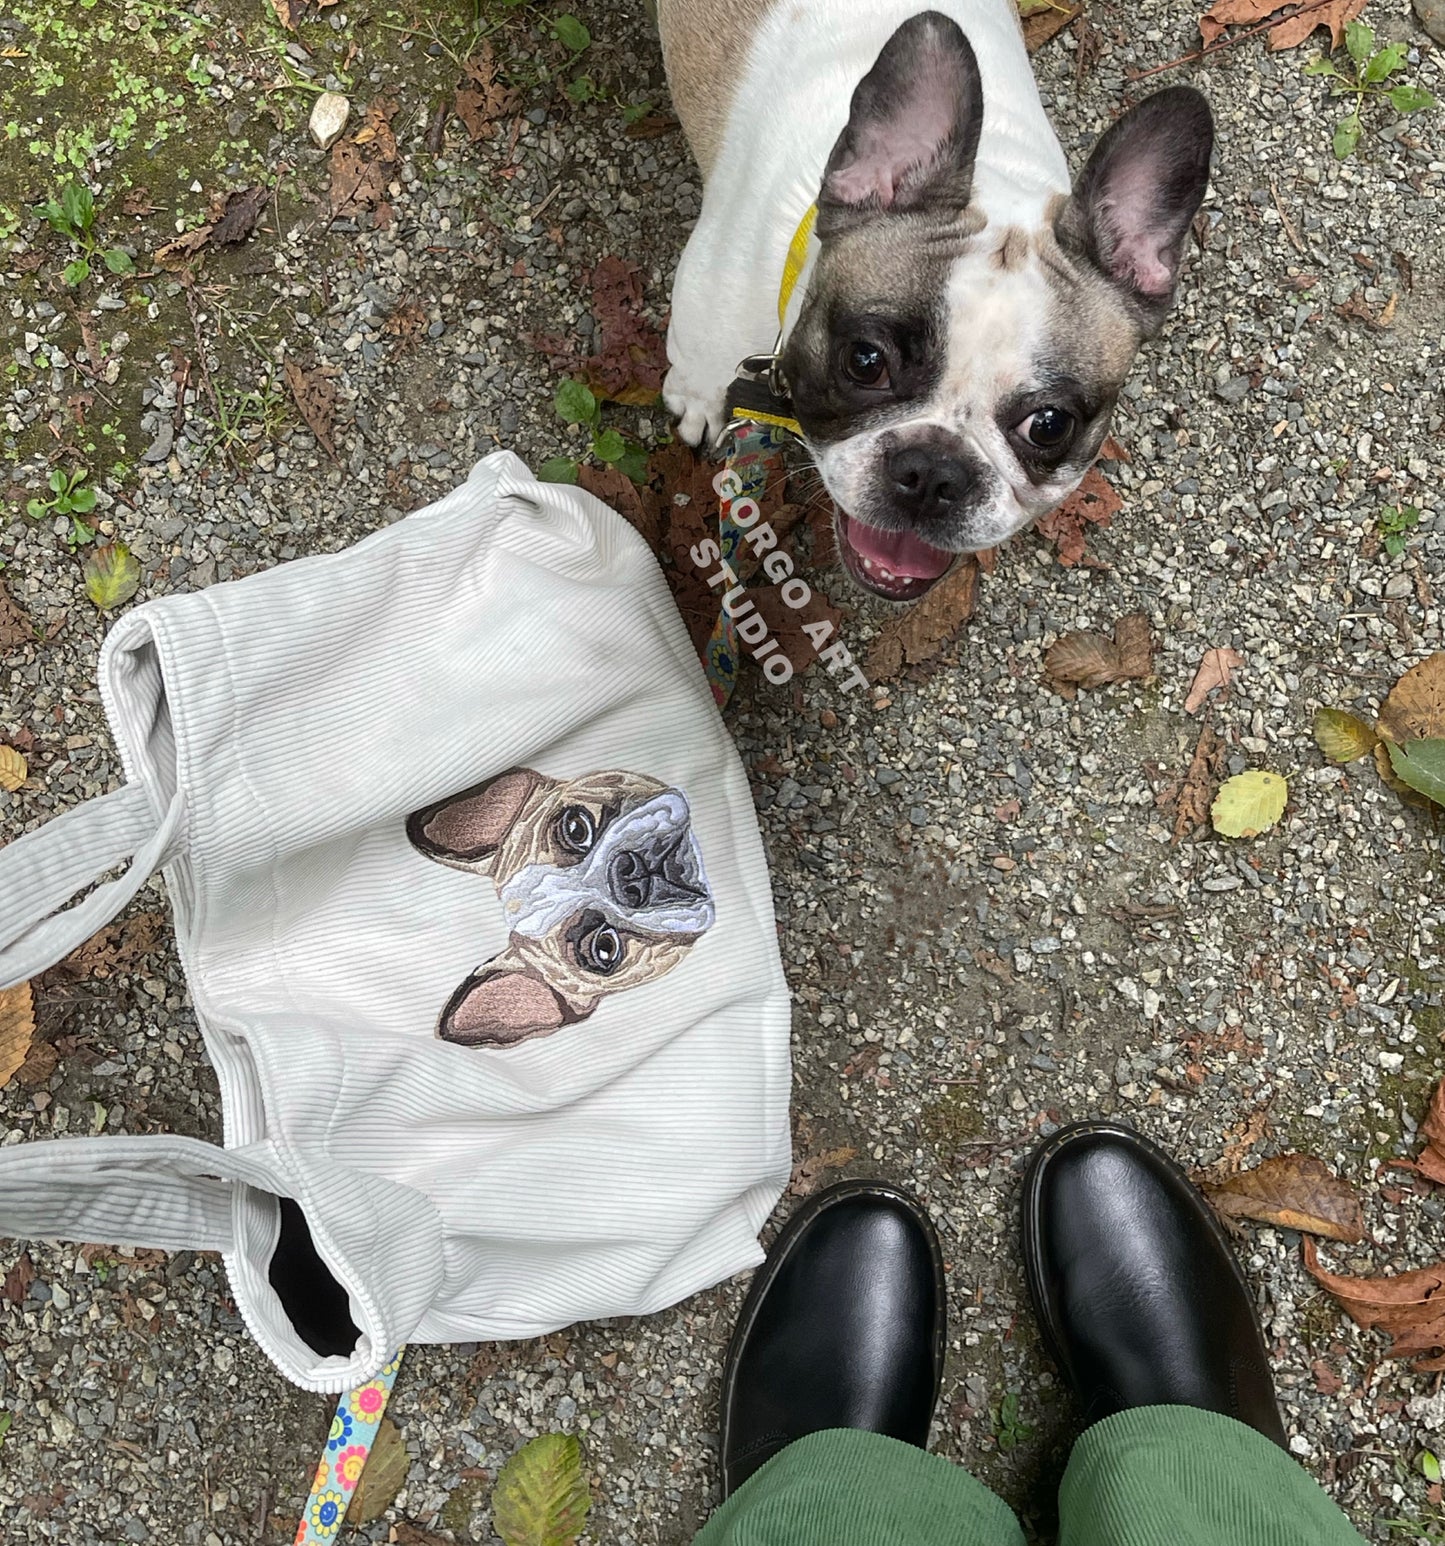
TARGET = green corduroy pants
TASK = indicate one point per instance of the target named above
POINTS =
(1153, 1476)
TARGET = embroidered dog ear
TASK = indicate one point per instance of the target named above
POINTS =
(466, 829)
(505, 1002)
(1135, 200)
(912, 131)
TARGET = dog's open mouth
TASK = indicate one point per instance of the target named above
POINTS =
(893, 564)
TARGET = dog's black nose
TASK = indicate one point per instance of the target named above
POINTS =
(927, 484)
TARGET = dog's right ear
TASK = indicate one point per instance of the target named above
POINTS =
(505, 1002)
(912, 131)
(466, 828)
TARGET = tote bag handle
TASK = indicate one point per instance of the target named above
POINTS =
(165, 1192)
(43, 870)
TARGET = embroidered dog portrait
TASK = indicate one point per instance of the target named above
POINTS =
(601, 883)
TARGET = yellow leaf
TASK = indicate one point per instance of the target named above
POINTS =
(382, 1477)
(17, 1028)
(1341, 736)
(13, 769)
(1249, 803)
(111, 575)
(541, 1496)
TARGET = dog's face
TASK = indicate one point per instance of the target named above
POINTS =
(955, 378)
(601, 883)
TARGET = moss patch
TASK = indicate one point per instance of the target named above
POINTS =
(952, 1120)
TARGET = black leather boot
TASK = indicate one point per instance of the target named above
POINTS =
(843, 1327)
(1137, 1292)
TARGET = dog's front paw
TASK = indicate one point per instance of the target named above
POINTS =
(699, 414)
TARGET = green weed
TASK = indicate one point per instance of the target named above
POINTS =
(576, 404)
(1370, 71)
(69, 497)
(72, 215)
(1008, 1431)
(1395, 523)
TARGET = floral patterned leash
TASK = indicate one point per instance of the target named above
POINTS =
(353, 1432)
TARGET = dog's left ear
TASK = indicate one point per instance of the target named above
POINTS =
(912, 131)
(1134, 202)
(505, 1002)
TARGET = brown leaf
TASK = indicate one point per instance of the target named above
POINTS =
(1430, 1161)
(1196, 793)
(138, 201)
(118, 947)
(1082, 659)
(650, 126)
(178, 253)
(1094, 502)
(928, 625)
(362, 163)
(1294, 1191)
(631, 358)
(809, 1171)
(618, 490)
(18, 1279)
(1041, 25)
(239, 214)
(287, 12)
(1413, 711)
(315, 396)
(382, 1478)
(1089, 659)
(15, 628)
(17, 1028)
(786, 623)
(406, 324)
(1289, 31)
(14, 769)
(1409, 1306)
(481, 98)
(38, 1066)
(1214, 671)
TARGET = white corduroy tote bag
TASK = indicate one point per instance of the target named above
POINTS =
(469, 894)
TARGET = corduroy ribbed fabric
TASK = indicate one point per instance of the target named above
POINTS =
(1153, 1476)
(281, 735)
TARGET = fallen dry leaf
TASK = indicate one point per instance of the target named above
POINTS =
(1085, 658)
(1046, 21)
(809, 1171)
(786, 623)
(382, 1478)
(315, 396)
(1289, 31)
(1430, 1161)
(638, 507)
(631, 358)
(1409, 1306)
(920, 633)
(14, 770)
(1214, 671)
(17, 1028)
(362, 164)
(1094, 503)
(1342, 737)
(1196, 793)
(650, 126)
(1294, 1191)
(178, 253)
(118, 947)
(1414, 710)
(481, 99)
(238, 215)
(15, 627)
(18, 1279)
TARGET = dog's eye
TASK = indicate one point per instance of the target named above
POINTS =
(1047, 428)
(866, 364)
(601, 950)
(577, 830)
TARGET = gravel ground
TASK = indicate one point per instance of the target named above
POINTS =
(985, 923)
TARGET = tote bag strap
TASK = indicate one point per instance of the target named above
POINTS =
(43, 870)
(164, 1192)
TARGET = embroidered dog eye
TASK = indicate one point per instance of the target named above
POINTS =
(866, 364)
(1047, 428)
(601, 950)
(576, 829)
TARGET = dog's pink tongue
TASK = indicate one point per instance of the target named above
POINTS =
(898, 551)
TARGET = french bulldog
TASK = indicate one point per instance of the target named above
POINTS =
(964, 318)
(601, 884)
